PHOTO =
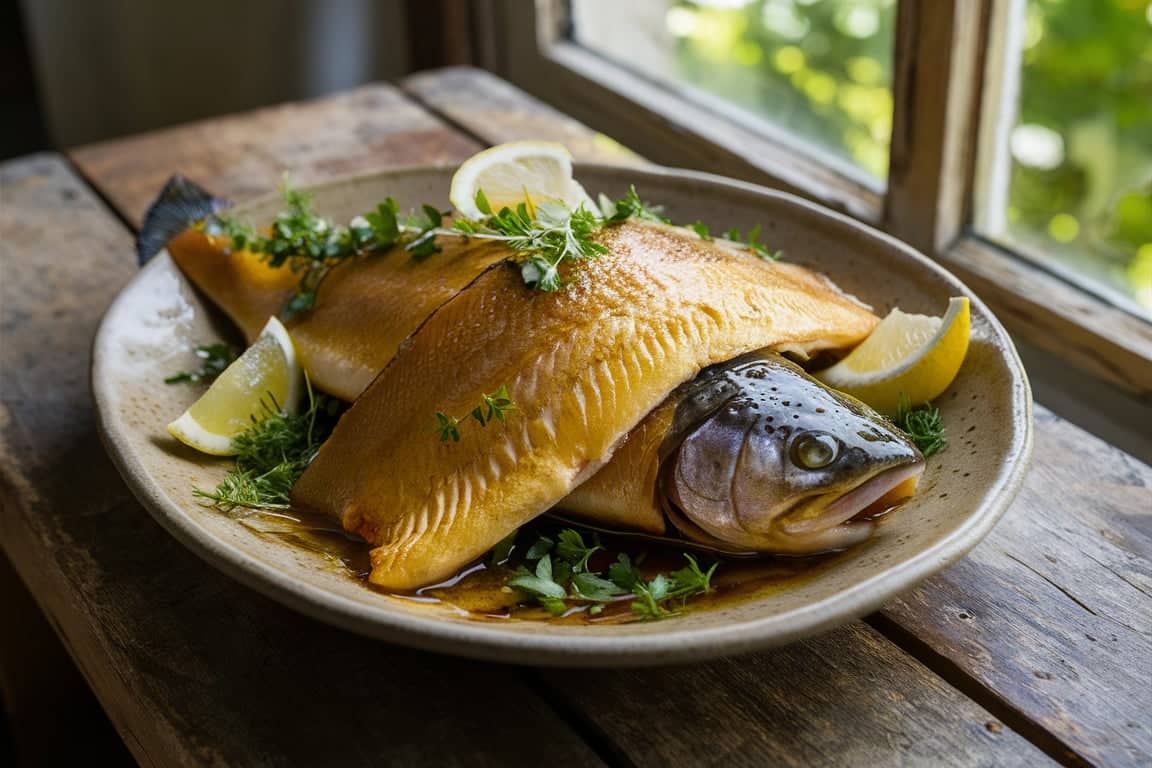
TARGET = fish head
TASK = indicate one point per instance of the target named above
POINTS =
(763, 457)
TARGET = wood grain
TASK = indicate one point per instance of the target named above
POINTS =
(846, 698)
(1052, 614)
(192, 668)
(248, 154)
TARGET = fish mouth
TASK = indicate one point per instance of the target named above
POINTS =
(802, 522)
(812, 526)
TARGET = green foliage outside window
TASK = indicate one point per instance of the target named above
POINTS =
(1080, 189)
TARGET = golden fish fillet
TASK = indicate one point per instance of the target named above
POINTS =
(584, 365)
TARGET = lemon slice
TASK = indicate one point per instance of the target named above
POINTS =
(517, 172)
(914, 354)
(267, 371)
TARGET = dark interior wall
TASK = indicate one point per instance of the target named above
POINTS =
(107, 68)
(21, 125)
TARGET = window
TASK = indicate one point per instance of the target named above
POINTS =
(1011, 140)
(820, 70)
(1069, 182)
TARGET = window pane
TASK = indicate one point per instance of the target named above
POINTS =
(1072, 183)
(819, 68)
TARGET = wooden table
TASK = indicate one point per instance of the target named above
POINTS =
(1036, 648)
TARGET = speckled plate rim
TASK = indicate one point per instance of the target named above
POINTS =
(499, 642)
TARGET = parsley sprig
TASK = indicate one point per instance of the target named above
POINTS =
(545, 237)
(556, 574)
(312, 246)
(216, 358)
(273, 453)
(493, 407)
(923, 425)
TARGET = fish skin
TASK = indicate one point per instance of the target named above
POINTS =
(584, 365)
(365, 309)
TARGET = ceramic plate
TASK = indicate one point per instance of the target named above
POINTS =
(153, 326)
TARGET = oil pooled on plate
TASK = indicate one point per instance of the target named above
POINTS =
(478, 592)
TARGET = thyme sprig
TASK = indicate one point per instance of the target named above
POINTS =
(273, 453)
(493, 407)
(555, 573)
(923, 425)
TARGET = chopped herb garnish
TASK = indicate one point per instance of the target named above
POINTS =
(923, 425)
(216, 358)
(273, 453)
(752, 243)
(556, 574)
(493, 407)
(545, 237)
(701, 229)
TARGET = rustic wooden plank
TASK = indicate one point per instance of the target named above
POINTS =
(496, 111)
(192, 668)
(247, 154)
(936, 91)
(845, 698)
(1052, 614)
(1097, 526)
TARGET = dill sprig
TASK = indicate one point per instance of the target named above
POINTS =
(216, 358)
(273, 453)
(555, 573)
(923, 425)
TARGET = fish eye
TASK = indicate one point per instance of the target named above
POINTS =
(815, 450)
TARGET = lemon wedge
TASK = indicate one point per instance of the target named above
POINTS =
(516, 172)
(268, 370)
(918, 355)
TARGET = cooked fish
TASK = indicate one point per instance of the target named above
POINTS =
(752, 455)
(604, 376)
(584, 365)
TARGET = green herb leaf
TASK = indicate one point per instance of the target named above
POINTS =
(273, 453)
(493, 407)
(701, 229)
(563, 564)
(923, 425)
(216, 358)
(482, 203)
(447, 427)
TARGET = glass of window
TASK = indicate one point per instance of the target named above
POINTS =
(820, 69)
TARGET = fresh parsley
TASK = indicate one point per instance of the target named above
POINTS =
(546, 238)
(923, 425)
(493, 407)
(273, 453)
(215, 357)
(311, 246)
(556, 574)
(752, 243)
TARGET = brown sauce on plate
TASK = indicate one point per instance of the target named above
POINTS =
(478, 591)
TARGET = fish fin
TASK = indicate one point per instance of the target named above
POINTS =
(179, 204)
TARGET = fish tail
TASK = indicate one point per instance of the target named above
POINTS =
(179, 204)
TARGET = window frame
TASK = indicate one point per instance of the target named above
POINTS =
(945, 63)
